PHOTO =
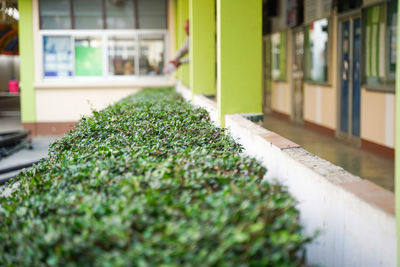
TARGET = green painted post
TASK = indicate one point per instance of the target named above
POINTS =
(177, 32)
(239, 46)
(397, 139)
(182, 16)
(176, 18)
(25, 35)
(202, 46)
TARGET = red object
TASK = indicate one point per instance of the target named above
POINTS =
(13, 87)
(187, 27)
(175, 63)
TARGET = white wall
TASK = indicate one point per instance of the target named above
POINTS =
(354, 232)
(355, 217)
(61, 101)
(69, 105)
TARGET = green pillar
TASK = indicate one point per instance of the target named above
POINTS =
(182, 13)
(397, 137)
(202, 46)
(239, 73)
(25, 35)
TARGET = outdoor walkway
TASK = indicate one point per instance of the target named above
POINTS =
(10, 124)
(40, 147)
(356, 161)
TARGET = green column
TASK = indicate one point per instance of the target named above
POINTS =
(202, 46)
(239, 73)
(397, 135)
(25, 35)
(182, 13)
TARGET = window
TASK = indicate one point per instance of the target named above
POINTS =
(152, 14)
(88, 56)
(316, 51)
(380, 43)
(151, 58)
(102, 38)
(122, 55)
(88, 14)
(103, 14)
(55, 14)
(278, 41)
(57, 56)
(103, 53)
(392, 32)
(120, 14)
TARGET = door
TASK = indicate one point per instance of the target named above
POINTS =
(298, 94)
(267, 75)
(350, 88)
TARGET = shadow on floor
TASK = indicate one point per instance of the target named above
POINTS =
(354, 160)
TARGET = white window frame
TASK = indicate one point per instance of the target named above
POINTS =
(104, 36)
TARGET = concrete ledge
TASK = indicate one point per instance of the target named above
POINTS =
(199, 101)
(184, 91)
(355, 217)
(209, 105)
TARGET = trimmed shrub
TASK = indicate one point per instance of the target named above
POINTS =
(145, 182)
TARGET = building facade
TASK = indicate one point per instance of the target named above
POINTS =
(330, 65)
(83, 55)
(327, 64)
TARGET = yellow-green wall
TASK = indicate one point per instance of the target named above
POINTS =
(28, 109)
(239, 57)
(182, 14)
(202, 47)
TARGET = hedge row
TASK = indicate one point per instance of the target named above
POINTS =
(148, 181)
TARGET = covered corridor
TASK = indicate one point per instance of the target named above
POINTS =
(359, 162)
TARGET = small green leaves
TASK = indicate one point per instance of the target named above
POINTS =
(148, 181)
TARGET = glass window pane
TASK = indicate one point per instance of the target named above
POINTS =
(392, 43)
(121, 55)
(151, 59)
(88, 56)
(88, 14)
(373, 27)
(152, 14)
(57, 56)
(278, 41)
(275, 39)
(380, 43)
(120, 14)
(55, 14)
(317, 51)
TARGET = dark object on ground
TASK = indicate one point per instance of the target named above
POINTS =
(13, 141)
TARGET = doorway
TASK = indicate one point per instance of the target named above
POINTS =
(349, 79)
(298, 91)
(267, 76)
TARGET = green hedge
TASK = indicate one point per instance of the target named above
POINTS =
(148, 181)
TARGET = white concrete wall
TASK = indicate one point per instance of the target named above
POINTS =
(69, 105)
(353, 232)
(200, 101)
(58, 101)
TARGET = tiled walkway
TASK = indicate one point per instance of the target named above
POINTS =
(356, 161)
